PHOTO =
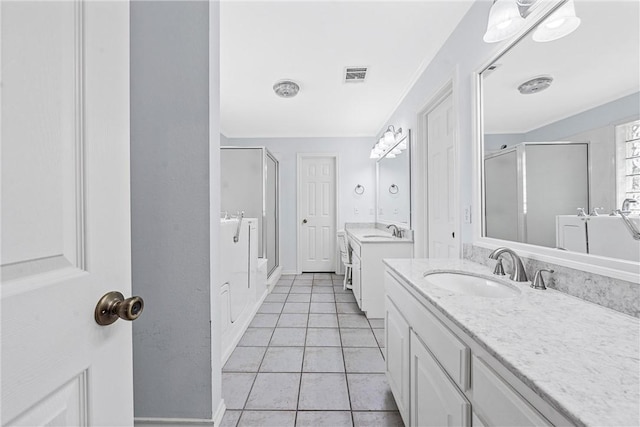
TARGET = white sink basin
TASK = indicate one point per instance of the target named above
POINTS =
(378, 236)
(468, 284)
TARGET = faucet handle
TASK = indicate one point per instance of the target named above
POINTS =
(581, 212)
(499, 270)
(594, 211)
(538, 280)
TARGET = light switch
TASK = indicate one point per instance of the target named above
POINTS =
(467, 214)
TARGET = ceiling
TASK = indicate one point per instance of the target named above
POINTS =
(311, 42)
(597, 63)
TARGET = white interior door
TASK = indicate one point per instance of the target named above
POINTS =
(441, 178)
(317, 213)
(65, 212)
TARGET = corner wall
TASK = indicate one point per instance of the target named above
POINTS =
(172, 347)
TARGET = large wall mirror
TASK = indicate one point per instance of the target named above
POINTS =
(560, 138)
(393, 186)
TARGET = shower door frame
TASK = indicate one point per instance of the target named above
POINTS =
(266, 153)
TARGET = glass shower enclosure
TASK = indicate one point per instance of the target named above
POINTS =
(249, 183)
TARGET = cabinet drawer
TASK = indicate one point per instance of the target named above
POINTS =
(497, 402)
(452, 353)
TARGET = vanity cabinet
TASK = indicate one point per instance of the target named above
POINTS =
(397, 337)
(441, 376)
(356, 280)
(368, 270)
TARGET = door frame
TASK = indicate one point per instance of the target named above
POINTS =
(299, 158)
(421, 166)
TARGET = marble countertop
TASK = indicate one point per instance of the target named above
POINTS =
(375, 235)
(582, 358)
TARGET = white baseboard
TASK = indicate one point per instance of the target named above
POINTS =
(289, 272)
(174, 422)
(183, 422)
(219, 414)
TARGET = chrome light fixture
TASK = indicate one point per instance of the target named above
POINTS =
(507, 17)
(562, 22)
(286, 88)
(388, 144)
(504, 21)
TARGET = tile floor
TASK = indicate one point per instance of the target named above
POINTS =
(309, 358)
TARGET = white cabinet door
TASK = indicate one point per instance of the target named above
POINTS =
(356, 282)
(435, 400)
(65, 212)
(397, 337)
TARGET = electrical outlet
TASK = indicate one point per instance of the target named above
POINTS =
(467, 214)
(356, 211)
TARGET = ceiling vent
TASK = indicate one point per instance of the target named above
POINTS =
(355, 74)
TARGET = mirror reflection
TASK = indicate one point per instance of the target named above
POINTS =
(393, 187)
(562, 137)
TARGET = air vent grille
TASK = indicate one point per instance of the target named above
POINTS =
(355, 74)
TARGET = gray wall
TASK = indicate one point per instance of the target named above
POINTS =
(172, 345)
(354, 168)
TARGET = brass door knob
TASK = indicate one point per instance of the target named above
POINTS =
(112, 306)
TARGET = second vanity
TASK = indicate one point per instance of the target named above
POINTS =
(520, 356)
(369, 245)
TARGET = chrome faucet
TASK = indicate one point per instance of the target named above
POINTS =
(518, 274)
(625, 205)
(395, 232)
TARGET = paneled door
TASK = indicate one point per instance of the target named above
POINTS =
(441, 178)
(317, 213)
(65, 212)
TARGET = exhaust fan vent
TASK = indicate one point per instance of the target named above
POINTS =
(355, 74)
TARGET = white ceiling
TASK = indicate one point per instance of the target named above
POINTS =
(596, 64)
(311, 42)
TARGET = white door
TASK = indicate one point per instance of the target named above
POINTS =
(441, 178)
(65, 212)
(317, 212)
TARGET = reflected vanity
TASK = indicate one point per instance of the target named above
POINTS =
(551, 153)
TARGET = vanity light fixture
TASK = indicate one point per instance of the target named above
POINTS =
(286, 88)
(507, 17)
(561, 23)
(504, 21)
(388, 144)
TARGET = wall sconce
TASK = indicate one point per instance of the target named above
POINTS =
(507, 17)
(388, 144)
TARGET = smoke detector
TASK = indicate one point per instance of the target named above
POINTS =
(535, 85)
(355, 74)
(286, 88)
